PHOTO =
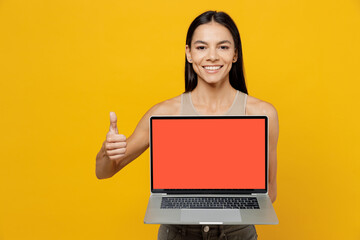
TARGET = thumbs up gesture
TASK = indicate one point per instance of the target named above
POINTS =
(115, 144)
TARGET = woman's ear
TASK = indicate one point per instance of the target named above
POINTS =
(188, 54)
(235, 56)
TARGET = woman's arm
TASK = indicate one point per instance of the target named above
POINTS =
(117, 151)
(257, 107)
(273, 139)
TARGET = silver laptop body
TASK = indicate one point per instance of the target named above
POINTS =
(179, 172)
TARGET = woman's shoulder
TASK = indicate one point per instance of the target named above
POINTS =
(255, 106)
(168, 107)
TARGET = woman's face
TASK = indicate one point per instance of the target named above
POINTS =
(212, 52)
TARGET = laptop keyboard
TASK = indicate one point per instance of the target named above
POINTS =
(210, 202)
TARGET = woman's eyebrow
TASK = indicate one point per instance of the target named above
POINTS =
(199, 41)
(224, 41)
(203, 42)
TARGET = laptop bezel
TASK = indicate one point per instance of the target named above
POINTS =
(210, 191)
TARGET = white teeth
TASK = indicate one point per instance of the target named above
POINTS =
(212, 67)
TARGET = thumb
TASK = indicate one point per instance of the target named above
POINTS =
(113, 123)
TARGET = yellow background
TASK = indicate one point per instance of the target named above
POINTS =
(65, 64)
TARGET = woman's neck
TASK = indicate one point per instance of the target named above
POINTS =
(213, 97)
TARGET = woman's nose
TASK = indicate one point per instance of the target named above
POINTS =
(212, 54)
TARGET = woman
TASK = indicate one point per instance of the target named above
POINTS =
(214, 85)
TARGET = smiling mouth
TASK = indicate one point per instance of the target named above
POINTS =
(212, 68)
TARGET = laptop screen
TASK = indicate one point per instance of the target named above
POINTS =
(215, 154)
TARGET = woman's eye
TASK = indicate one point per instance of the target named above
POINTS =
(224, 47)
(200, 47)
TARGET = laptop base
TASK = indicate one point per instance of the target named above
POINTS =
(263, 216)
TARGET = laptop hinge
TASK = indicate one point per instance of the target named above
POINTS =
(257, 193)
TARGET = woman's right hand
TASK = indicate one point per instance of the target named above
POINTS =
(115, 143)
(117, 151)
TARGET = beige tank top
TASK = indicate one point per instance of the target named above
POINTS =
(237, 107)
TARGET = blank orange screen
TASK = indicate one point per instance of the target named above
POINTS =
(208, 153)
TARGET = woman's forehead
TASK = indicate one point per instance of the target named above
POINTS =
(212, 32)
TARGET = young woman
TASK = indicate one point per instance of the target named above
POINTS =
(214, 85)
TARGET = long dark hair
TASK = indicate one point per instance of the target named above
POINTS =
(236, 74)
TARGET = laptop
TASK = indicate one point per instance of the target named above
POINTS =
(209, 170)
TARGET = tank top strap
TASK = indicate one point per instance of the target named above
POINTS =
(239, 106)
(187, 107)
